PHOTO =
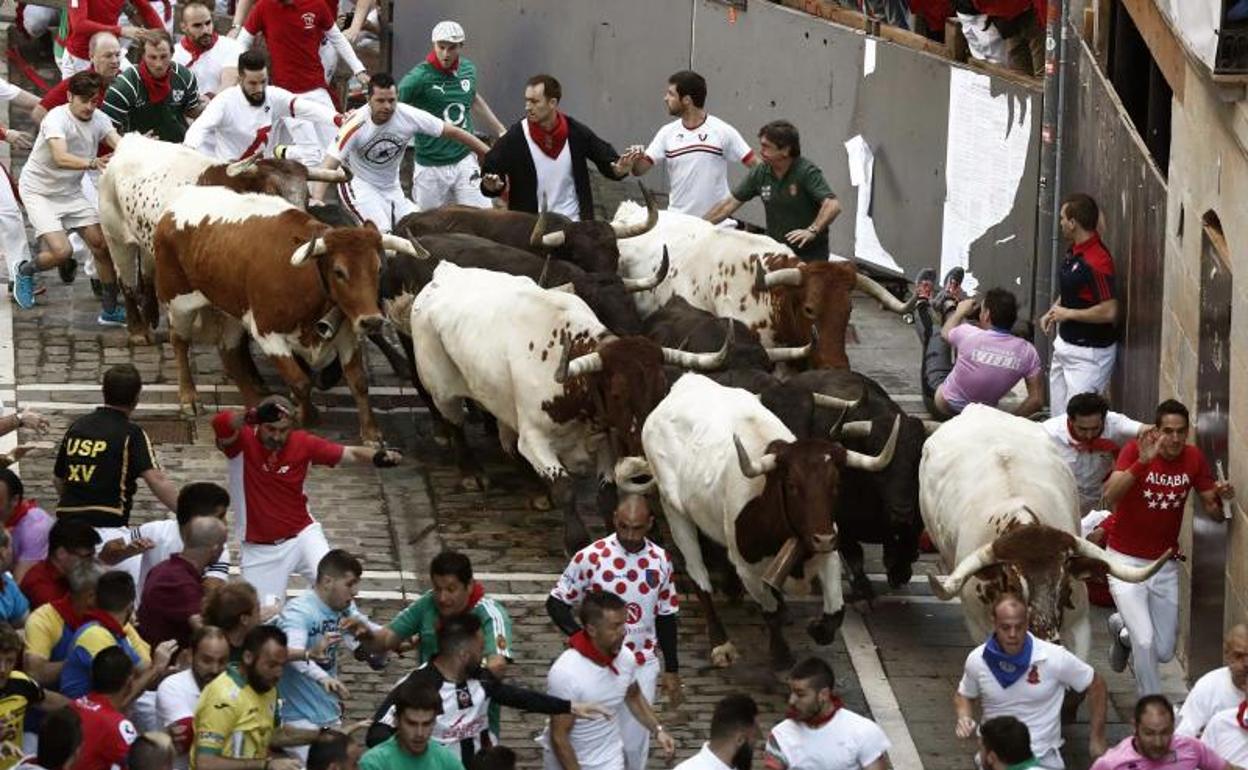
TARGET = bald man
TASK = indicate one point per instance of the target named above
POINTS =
(1219, 689)
(632, 567)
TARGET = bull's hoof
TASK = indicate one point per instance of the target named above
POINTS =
(541, 502)
(823, 630)
(724, 655)
(142, 337)
(474, 482)
(191, 407)
(899, 575)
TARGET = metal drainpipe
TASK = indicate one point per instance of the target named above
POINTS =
(1056, 253)
(1045, 267)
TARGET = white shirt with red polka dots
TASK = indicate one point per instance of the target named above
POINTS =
(644, 580)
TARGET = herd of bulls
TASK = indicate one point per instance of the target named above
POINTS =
(654, 353)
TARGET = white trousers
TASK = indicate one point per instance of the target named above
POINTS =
(636, 736)
(12, 226)
(1150, 611)
(39, 20)
(70, 64)
(268, 567)
(307, 139)
(382, 206)
(1075, 369)
(437, 186)
(983, 39)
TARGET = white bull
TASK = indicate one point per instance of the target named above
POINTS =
(1002, 507)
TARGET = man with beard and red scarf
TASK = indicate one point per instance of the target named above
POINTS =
(212, 58)
(597, 669)
(1088, 437)
(541, 160)
(159, 97)
(269, 461)
(818, 732)
(734, 730)
(1014, 673)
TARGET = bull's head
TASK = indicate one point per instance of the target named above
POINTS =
(347, 261)
(591, 244)
(817, 293)
(1039, 563)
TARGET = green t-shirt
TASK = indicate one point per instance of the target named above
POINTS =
(421, 617)
(447, 96)
(791, 203)
(388, 756)
(127, 106)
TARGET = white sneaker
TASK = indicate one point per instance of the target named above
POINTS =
(1118, 650)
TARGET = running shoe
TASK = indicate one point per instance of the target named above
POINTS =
(116, 318)
(1118, 651)
(24, 291)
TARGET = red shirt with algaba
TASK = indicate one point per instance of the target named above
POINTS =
(1149, 516)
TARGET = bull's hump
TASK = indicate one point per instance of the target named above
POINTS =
(217, 205)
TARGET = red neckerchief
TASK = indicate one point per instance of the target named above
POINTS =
(581, 643)
(19, 512)
(64, 607)
(194, 50)
(1239, 715)
(108, 621)
(1098, 444)
(157, 88)
(550, 142)
(818, 720)
(474, 595)
(436, 63)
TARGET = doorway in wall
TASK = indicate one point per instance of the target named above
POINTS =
(1140, 85)
(1211, 413)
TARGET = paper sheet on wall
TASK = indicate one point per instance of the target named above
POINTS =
(987, 153)
(867, 244)
(868, 57)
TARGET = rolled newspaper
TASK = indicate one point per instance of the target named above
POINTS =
(1226, 504)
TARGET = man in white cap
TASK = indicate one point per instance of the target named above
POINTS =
(445, 85)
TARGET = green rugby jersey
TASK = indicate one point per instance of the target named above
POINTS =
(447, 96)
(127, 106)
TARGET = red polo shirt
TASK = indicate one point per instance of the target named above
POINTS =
(87, 17)
(1147, 519)
(43, 583)
(172, 593)
(293, 34)
(106, 734)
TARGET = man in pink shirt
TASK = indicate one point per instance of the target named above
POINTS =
(1154, 746)
(990, 359)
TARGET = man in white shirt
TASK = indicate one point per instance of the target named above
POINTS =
(734, 730)
(211, 57)
(371, 145)
(51, 190)
(178, 694)
(1016, 674)
(12, 231)
(1219, 689)
(1089, 437)
(1227, 734)
(240, 121)
(596, 668)
(695, 149)
(819, 732)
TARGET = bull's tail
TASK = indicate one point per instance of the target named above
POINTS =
(398, 312)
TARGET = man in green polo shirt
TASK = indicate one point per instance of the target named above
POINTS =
(416, 709)
(1005, 744)
(796, 198)
(159, 96)
(445, 85)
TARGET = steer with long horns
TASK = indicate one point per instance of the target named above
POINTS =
(727, 467)
(1001, 506)
(569, 396)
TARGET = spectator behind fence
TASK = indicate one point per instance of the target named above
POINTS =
(51, 628)
(60, 742)
(178, 695)
(14, 607)
(107, 733)
(69, 542)
(174, 594)
(27, 523)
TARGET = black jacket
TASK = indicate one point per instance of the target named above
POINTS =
(510, 159)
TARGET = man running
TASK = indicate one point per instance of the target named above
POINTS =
(371, 145)
(158, 97)
(445, 84)
(211, 57)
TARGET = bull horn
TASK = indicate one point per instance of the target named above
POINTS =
(701, 361)
(855, 429)
(339, 175)
(752, 468)
(781, 355)
(539, 238)
(950, 586)
(411, 247)
(313, 248)
(634, 476)
(646, 284)
(398, 312)
(785, 276)
(1118, 568)
(931, 426)
(879, 462)
(823, 399)
(242, 166)
(652, 217)
(867, 285)
(328, 324)
(586, 364)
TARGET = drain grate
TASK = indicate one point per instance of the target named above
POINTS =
(168, 430)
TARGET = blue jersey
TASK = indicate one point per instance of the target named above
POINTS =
(13, 605)
(306, 619)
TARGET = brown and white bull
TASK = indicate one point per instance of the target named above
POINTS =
(272, 271)
(1001, 505)
(727, 467)
(568, 395)
(143, 177)
(750, 278)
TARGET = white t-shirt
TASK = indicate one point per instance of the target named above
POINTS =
(1212, 693)
(1092, 468)
(176, 698)
(207, 68)
(643, 580)
(167, 539)
(697, 162)
(704, 760)
(82, 137)
(1035, 699)
(374, 152)
(555, 183)
(576, 678)
(1224, 735)
(846, 742)
(239, 129)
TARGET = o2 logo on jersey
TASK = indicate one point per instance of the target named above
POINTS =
(309, 20)
(634, 613)
(454, 114)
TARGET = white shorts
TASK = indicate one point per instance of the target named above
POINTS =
(636, 736)
(51, 215)
(437, 186)
(268, 567)
(12, 228)
(383, 206)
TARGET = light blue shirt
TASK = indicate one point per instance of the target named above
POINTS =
(306, 619)
(13, 604)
